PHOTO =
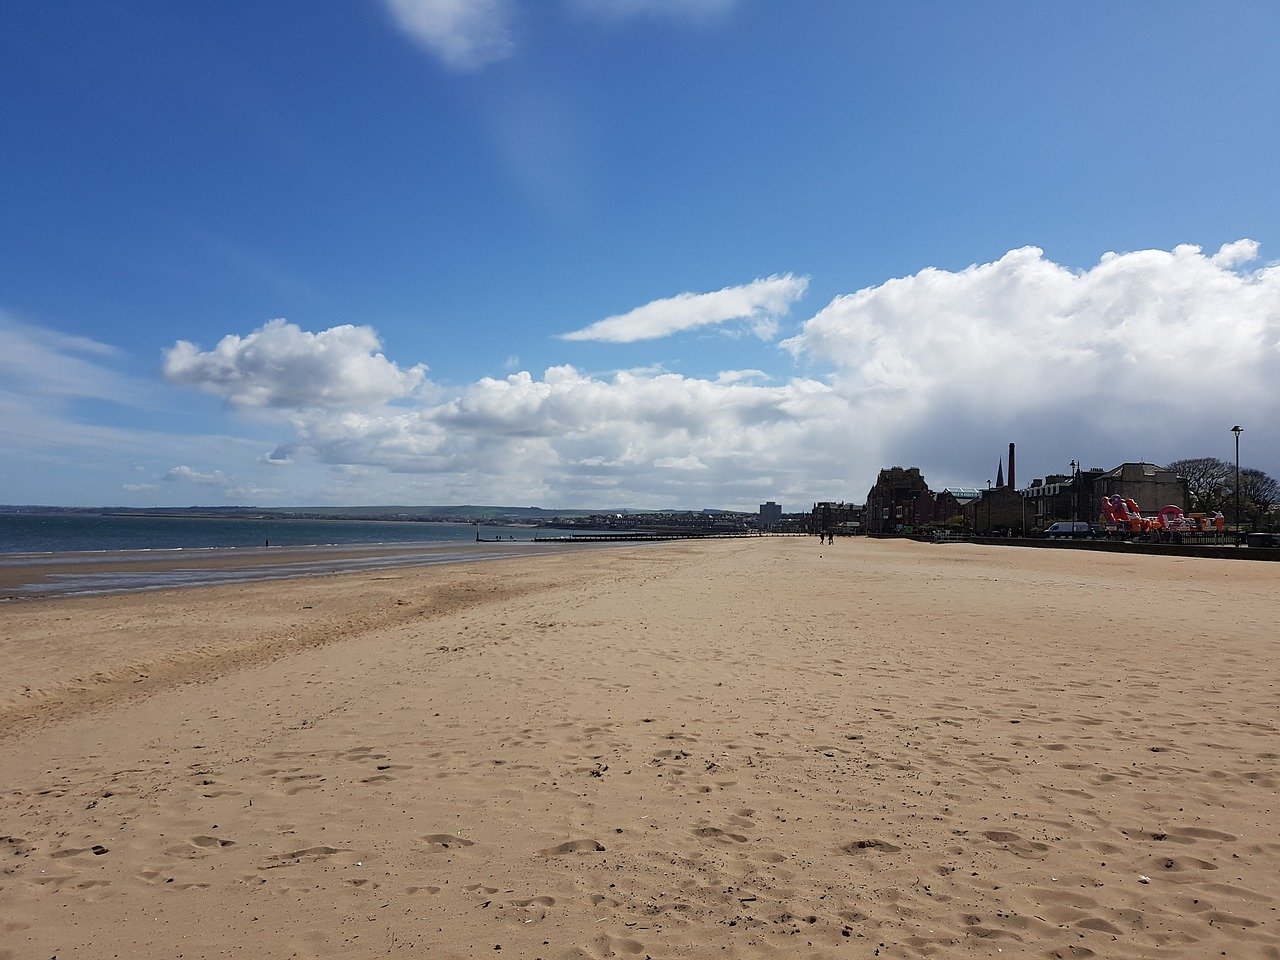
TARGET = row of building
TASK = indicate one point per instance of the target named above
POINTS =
(900, 500)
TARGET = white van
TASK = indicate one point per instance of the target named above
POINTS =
(1068, 528)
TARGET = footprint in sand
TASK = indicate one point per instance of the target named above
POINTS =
(862, 846)
(17, 847)
(715, 833)
(1016, 844)
(1185, 835)
(1100, 924)
(1202, 833)
(446, 841)
(573, 846)
(97, 850)
(310, 853)
(1177, 864)
(610, 946)
(211, 843)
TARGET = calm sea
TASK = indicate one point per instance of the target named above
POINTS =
(60, 533)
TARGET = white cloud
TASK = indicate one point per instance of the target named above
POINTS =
(1146, 355)
(1232, 255)
(464, 34)
(741, 376)
(1139, 357)
(252, 493)
(569, 437)
(759, 303)
(683, 9)
(282, 366)
(469, 34)
(139, 487)
(184, 474)
(42, 362)
(691, 462)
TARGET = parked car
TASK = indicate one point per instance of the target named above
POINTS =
(1069, 528)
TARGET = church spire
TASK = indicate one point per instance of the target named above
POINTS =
(1000, 474)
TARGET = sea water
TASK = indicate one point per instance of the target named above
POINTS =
(69, 532)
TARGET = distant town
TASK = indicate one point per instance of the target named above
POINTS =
(1190, 500)
(1202, 499)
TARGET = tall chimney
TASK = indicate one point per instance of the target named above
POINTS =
(1012, 484)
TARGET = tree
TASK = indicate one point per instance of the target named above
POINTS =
(1258, 494)
(1209, 481)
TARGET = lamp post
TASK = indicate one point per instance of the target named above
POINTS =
(1075, 489)
(1237, 430)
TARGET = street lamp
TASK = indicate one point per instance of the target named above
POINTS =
(1237, 430)
(1075, 489)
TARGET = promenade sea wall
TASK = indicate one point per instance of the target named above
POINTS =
(1203, 551)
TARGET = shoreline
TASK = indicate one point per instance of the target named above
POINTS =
(699, 749)
(33, 576)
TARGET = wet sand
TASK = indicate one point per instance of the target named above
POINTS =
(723, 749)
(24, 576)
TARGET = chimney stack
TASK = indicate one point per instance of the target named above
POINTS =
(1012, 484)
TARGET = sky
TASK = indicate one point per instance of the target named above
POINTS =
(628, 253)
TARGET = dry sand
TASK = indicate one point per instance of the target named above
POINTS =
(727, 749)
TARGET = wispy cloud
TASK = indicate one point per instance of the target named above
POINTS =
(58, 366)
(759, 303)
(463, 34)
(470, 34)
(682, 9)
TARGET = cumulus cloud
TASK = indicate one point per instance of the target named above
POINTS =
(1147, 355)
(759, 303)
(283, 366)
(573, 437)
(185, 474)
(1144, 353)
(463, 34)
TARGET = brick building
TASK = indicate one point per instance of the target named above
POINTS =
(998, 510)
(831, 517)
(1079, 496)
(899, 498)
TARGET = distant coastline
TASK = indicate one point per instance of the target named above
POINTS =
(25, 528)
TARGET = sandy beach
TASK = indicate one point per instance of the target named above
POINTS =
(722, 749)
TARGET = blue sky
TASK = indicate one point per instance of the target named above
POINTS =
(813, 221)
